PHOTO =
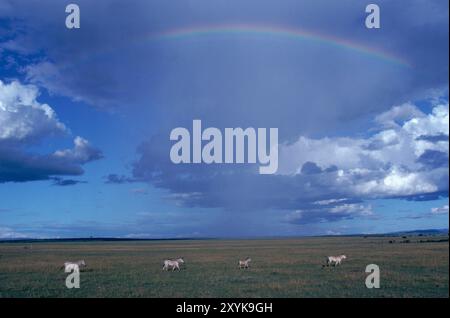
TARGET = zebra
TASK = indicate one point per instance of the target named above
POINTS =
(174, 264)
(70, 266)
(335, 260)
(245, 263)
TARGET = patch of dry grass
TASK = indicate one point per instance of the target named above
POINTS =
(280, 268)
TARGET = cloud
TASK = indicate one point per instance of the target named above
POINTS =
(261, 81)
(433, 138)
(19, 166)
(393, 162)
(48, 75)
(8, 233)
(230, 80)
(148, 224)
(320, 179)
(433, 212)
(22, 117)
(330, 214)
(440, 210)
(401, 146)
(434, 159)
(82, 152)
(397, 115)
(118, 179)
(395, 182)
(310, 168)
(66, 182)
(331, 232)
(24, 123)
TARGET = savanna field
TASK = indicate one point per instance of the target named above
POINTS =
(279, 268)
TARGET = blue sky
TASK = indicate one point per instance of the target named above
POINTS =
(85, 117)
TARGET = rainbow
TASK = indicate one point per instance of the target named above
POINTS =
(276, 31)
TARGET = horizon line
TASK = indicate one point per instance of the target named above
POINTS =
(118, 238)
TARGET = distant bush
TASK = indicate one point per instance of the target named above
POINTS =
(434, 241)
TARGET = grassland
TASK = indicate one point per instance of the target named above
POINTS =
(280, 268)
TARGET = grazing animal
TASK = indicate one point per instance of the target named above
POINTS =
(245, 263)
(180, 261)
(335, 260)
(70, 266)
(174, 264)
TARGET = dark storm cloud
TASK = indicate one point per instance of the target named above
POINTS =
(236, 80)
(234, 187)
(19, 166)
(312, 193)
(318, 193)
(302, 87)
(310, 168)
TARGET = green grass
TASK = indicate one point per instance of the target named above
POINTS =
(280, 268)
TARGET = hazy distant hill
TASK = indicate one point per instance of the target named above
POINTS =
(421, 232)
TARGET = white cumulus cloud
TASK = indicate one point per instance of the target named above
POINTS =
(22, 117)
(82, 152)
(24, 121)
(408, 156)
